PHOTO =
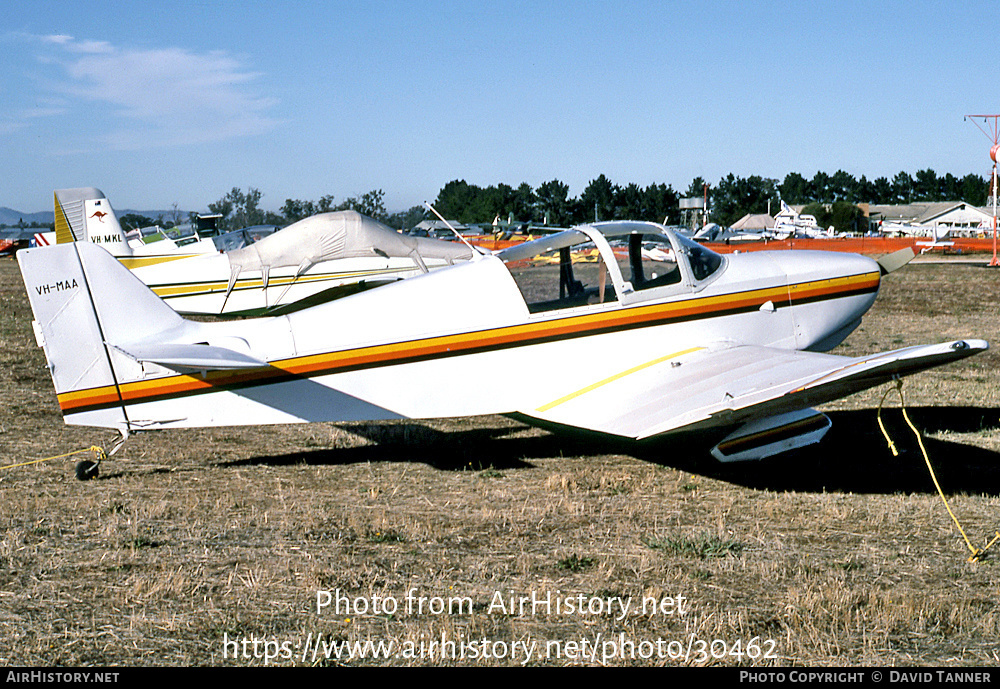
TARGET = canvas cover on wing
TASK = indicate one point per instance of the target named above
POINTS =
(726, 384)
(335, 235)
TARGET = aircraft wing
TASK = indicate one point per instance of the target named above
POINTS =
(726, 384)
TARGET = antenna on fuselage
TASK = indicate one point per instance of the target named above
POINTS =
(449, 226)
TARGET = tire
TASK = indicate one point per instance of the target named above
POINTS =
(86, 470)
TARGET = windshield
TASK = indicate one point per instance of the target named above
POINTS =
(704, 262)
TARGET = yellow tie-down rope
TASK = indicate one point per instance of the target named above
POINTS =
(98, 452)
(977, 553)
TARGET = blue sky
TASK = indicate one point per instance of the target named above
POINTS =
(165, 102)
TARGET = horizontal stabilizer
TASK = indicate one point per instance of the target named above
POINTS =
(896, 260)
(199, 357)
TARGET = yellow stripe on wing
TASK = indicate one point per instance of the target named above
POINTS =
(133, 262)
(185, 289)
(617, 376)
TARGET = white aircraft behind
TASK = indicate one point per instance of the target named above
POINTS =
(313, 260)
(85, 214)
(624, 345)
(788, 223)
(902, 229)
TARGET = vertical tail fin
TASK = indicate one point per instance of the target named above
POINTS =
(86, 215)
(82, 299)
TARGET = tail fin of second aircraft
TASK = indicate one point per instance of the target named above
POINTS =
(86, 215)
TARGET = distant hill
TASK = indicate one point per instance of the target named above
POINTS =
(10, 217)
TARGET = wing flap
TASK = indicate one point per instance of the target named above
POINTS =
(727, 384)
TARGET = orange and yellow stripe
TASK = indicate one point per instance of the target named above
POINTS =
(459, 344)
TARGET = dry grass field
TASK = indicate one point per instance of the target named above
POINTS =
(212, 547)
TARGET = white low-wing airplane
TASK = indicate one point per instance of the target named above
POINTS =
(622, 345)
(315, 259)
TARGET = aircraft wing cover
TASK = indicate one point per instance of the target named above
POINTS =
(336, 235)
(727, 384)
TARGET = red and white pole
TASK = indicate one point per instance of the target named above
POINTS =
(992, 132)
(993, 154)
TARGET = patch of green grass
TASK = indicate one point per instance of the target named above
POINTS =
(143, 542)
(385, 536)
(703, 546)
(575, 563)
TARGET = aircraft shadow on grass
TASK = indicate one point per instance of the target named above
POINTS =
(853, 457)
(478, 448)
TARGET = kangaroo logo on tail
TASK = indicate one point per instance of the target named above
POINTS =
(85, 214)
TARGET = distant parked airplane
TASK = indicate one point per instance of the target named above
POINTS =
(316, 259)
